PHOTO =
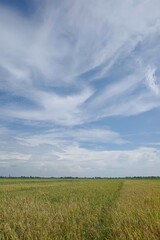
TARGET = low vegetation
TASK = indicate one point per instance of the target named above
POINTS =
(79, 209)
(137, 212)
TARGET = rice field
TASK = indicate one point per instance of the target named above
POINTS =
(79, 209)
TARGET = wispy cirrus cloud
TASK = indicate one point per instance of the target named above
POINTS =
(48, 50)
(151, 80)
(46, 106)
(65, 137)
(78, 68)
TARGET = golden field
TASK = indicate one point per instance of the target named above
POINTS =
(48, 209)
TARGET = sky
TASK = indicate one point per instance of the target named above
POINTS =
(79, 88)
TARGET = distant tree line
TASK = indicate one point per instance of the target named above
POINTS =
(69, 177)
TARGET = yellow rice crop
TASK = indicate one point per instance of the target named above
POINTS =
(79, 209)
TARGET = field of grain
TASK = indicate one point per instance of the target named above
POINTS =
(79, 209)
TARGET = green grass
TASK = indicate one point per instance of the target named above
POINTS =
(79, 209)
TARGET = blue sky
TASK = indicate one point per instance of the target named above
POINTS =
(79, 88)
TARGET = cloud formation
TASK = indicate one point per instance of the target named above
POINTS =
(70, 69)
(46, 52)
(151, 80)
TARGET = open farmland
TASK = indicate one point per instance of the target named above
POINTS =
(79, 209)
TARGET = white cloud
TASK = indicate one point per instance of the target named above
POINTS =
(48, 62)
(50, 107)
(111, 158)
(49, 155)
(65, 137)
(60, 153)
(151, 80)
(154, 143)
(13, 157)
(125, 98)
(81, 162)
(63, 41)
